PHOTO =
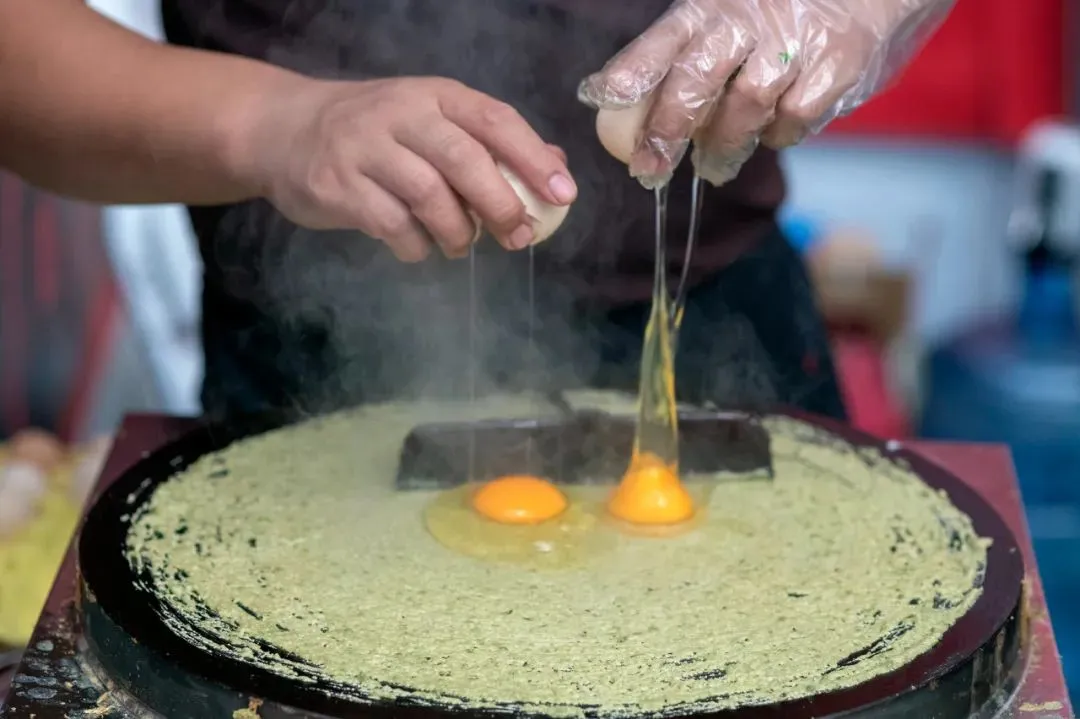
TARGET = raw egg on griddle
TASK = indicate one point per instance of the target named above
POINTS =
(522, 519)
(519, 499)
(651, 494)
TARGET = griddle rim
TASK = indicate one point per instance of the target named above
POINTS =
(974, 663)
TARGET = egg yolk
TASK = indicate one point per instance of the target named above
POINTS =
(519, 499)
(650, 493)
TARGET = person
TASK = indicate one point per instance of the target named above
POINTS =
(326, 147)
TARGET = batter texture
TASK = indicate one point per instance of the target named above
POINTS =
(294, 552)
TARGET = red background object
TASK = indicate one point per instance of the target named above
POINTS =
(995, 67)
(988, 469)
(871, 406)
(59, 304)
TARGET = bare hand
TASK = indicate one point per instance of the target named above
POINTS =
(404, 160)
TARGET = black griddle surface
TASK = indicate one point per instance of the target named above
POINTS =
(122, 620)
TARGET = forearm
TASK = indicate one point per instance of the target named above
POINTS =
(94, 111)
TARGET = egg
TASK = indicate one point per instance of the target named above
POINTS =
(37, 447)
(519, 499)
(620, 130)
(651, 494)
(573, 536)
(544, 217)
(22, 487)
(532, 521)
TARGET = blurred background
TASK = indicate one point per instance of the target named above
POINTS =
(941, 223)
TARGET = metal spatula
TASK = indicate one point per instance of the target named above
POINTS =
(578, 447)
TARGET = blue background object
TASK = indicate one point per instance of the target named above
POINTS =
(802, 231)
(1016, 380)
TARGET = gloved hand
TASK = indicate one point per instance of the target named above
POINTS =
(733, 73)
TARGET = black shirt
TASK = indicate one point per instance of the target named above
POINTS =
(301, 317)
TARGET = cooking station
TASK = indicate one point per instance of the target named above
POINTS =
(1002, 663)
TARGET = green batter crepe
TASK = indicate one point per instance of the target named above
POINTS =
(844, 567)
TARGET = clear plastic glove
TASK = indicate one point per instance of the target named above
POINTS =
(731, 74)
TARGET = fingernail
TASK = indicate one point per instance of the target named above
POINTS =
(521, 238)
(562, 188)
(456, 253)
(625, 84)
(645, 164)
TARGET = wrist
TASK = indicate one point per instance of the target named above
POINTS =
(249, 129)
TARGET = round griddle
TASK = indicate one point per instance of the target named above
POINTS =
(969, 673)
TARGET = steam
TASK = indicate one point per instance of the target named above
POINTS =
(391, 330)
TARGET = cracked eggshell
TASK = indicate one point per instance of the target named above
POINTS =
(546, 218)
(620, 130)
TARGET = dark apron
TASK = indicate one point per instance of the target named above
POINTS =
(317, 320)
